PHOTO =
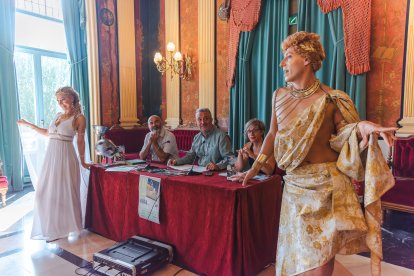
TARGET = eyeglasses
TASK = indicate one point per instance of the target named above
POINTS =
(252, 131)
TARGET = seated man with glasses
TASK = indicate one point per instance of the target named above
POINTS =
(211, 146)
(254, 130)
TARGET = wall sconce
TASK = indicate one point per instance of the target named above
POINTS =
(175, 63)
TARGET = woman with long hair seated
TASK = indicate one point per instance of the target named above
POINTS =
(254, 130)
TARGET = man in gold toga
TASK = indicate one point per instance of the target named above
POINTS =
(318, 139)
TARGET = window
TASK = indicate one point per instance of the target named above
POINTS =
(40, 59)
(39, 74)
(48, 8)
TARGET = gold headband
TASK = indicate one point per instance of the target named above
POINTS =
(307, 47)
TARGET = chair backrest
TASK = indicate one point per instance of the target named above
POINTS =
(403, 157)
(132, 139)
(185, 138)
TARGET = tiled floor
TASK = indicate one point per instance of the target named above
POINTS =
(19, 255)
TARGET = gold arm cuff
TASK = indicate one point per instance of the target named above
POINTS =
(259, 162)
(261, 158)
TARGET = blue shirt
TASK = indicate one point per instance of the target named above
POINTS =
(214, 147)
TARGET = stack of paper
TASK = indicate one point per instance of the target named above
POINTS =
(188, 167)
(120, 169)
(135, 161)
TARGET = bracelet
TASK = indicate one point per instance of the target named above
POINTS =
(259, 162)
(261, 158)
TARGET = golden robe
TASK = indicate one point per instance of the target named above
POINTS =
(320, 213)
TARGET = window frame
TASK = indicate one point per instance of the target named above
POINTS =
(39, 15)
(37, 55)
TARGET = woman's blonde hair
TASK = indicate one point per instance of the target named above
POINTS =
(307, 45)
(70, 92)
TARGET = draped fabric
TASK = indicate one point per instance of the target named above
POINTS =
(10, 151)
(333, 71)
(74, 21)
(357, 31)
(321, 196)
(244, 16)
(257, 70)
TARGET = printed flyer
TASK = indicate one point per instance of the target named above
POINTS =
(149, 195)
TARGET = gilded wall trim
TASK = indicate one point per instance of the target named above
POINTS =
(407, 122)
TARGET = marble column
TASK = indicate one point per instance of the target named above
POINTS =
(93, 72)
(172, 34)
(206, 54)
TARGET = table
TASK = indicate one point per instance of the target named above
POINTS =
(217, 227)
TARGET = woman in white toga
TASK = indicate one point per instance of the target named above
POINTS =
(57, 208)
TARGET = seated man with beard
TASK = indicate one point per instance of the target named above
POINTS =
(160, 143)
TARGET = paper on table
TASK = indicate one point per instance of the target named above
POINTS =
(259, 177)
(188, 167)
(120, 169)
(135, 161)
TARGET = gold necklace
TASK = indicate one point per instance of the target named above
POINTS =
(307, 92)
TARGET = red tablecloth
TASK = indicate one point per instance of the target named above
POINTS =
(217, 227)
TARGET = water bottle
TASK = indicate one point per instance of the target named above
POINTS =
(231, 169)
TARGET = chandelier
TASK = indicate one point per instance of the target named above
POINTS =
(176, 63)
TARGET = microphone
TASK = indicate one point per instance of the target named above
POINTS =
(149, 160)
(191, 172)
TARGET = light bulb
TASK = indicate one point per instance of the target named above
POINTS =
(178, 56)
(157, 57)
(170, 47)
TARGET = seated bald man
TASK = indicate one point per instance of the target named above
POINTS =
(160, 143)
(210, 146)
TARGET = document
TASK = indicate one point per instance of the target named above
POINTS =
(260, 177)
(120, 169)
(149, 195)
(135, 161)
(188, 167)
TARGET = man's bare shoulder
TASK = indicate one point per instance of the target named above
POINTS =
(326, 88)
(280, 92)
(334, 92)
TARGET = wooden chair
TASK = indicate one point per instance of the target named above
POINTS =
(401, 196)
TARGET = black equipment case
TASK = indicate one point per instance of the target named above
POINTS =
(136, 256)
